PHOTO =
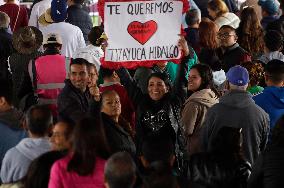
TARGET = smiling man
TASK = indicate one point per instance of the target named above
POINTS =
(73, 101)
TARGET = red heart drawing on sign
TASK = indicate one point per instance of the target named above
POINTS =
(142, 32)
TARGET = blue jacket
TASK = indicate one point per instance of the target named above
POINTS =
(9, 137)
(271, 100)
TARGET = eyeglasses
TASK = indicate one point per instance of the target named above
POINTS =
(224, 35)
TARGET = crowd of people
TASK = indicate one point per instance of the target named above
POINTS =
(214, 120)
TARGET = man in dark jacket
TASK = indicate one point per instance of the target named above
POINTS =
(233, 53)
(237, 109)
(73, 101)
(6, 47)
(79, 17)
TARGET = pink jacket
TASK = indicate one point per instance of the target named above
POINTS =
(60, 178)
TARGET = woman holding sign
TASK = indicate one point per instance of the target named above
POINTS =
(158, 112)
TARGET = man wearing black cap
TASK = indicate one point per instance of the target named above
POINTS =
(237, 109)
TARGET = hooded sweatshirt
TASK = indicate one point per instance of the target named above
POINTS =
(237, 109)
(271, 100)
(193, 115)
(17, 160)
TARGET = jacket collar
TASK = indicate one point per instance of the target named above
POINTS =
(234, 46)
(109, 122)
(109, 84)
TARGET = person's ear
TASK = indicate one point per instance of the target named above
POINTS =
(105, 183)
(266, 78)
(24, 123)
(145, 163)
(2, 101)
(172, 160)
(236, 37)
(167, 88)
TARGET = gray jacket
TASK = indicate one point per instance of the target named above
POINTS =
(237, 109)
(17, 160)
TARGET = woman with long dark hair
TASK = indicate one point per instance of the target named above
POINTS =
(203, 96)
(250, 33)
(224, 165)
(84, 166)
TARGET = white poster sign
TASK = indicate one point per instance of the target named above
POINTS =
(142, 30)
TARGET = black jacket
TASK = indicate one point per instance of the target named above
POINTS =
(118, 138)
(268, 169)
(72, 103)
(79, 17)
(208, 170)
(22, 85)
(160, 117)
(234, 55)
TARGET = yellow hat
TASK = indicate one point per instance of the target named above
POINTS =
(45, 19)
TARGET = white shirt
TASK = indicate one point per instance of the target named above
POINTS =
(92, 54)
(38, 9)
(72, 37)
